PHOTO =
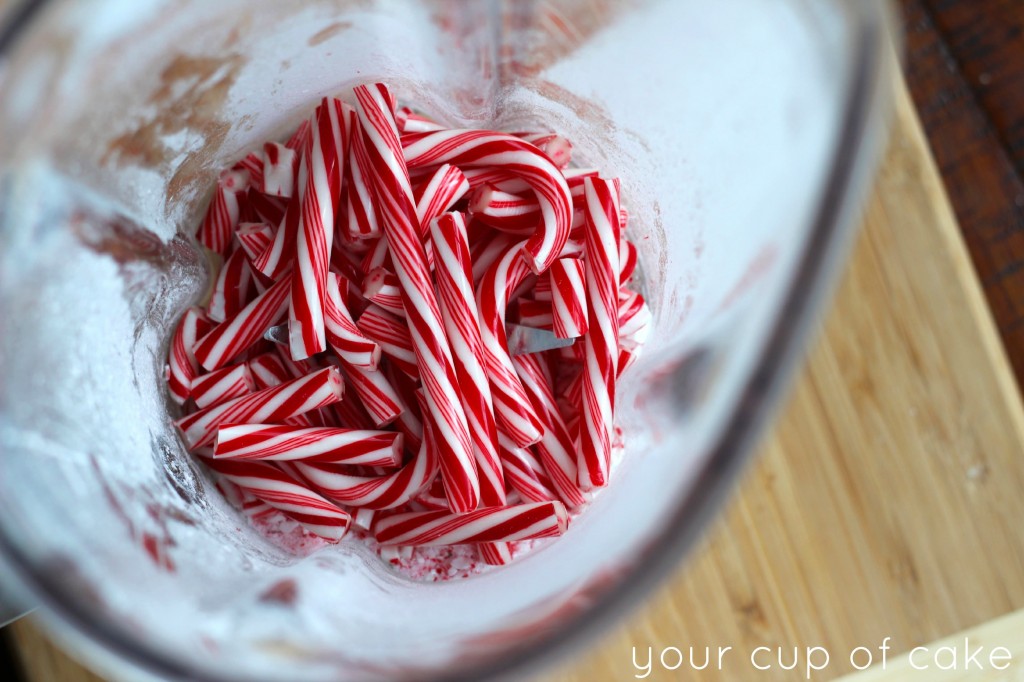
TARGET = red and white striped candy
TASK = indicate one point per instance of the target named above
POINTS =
(254, 238)
(574, 176)
(536, 314)
(601, 344)
(222, 385)
(511, 213)
(542, 289)
(408, 121)
(376, 257)
(376, 394)
(558, 148)
(281, 491)
(346, 339)
(488, 250)
(222, 215)
(491, 524)
(474, 148)
(298, 396)
(568, 298)
(500, 178)
(394, 196)
(525, 473)
(512, 409)
(627, 260)
(231, 289)
(228, 339)
(634, 320)
(384, 289)
(324, 158)
(268, 370)
(267, 209)
(252, 165)
(443, 188)
(182, 366)
(280, 165)
(374, 492)
(461, 321)
(410, 421)
(316, 444)
(363, 518)
(391, 334)
(555, 450)
(626, 359)
(277, 259)
(360, 209)
(298, 139)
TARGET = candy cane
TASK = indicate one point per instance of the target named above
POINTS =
(384, 289)
(499, 178)
(284, 493)
(254, 238)
(267, 370)
(492, 524)
(487, 250)
(374, 492)
(363, 519)
(267, 209)
(627, 260)
(634, 320)
(182, 366)
(228, 339)
(296, 369)
(461, 321)
(222, 216)
(515, 415)
(408, 121)
(324, 158)
(298, 139)
(252, 165)
(376, 394)
(280, 164)
(294, 397)
(394, 196)
(376, 257)
(438, 194)
(542, 290)
(555, 450)
(391, 334)
(474, 148)
(626, 360)
(557, 148)
(525, 473)
(597, 408)
(409, 420)
(316, 444)
(345, 338)
(231, 288)
(511, 213)
(225, 384)
(568, 298)
(536, 314)
(277, 259)
(359, 208)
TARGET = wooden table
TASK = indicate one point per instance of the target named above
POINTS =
(887, 502)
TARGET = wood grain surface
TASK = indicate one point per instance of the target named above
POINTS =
(887, 500)
(965, 67)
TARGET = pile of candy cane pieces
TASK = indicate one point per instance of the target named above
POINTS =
(396, 250)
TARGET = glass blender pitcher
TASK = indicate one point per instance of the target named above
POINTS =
(743, 131)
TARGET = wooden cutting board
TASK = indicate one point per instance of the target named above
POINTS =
(888, 501)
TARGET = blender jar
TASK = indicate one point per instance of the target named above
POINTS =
(742, 131)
